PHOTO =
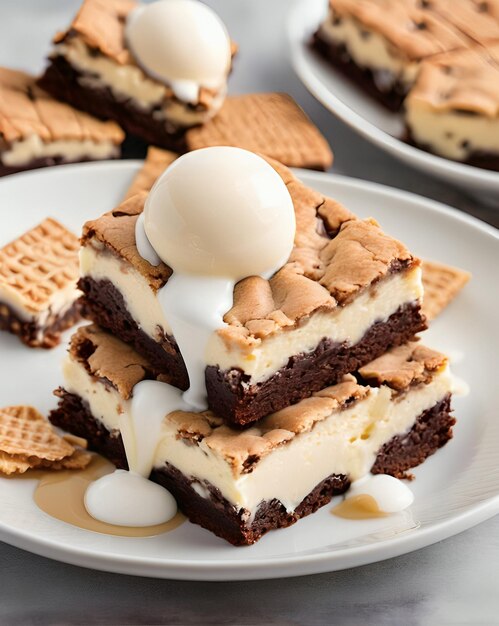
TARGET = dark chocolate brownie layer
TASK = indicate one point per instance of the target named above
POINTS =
(31, 334)
(61, 81)
(381, 85)
(229, 394)
(231, 397)
(103, 303)
(431, 431)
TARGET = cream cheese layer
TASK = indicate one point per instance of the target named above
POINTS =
(346, 442)
(371, 51)
(265, 357)
(451, 134)
(130, 82)
(26, 150)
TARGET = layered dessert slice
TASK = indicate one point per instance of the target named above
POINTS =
(453, 108)
(241, 484)
(381, 43)
(156, 77)
(347, 293)
(38, 293)
(36, 130)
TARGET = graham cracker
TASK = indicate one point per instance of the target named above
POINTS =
(441, 284)
(157, 160)
(268, 123)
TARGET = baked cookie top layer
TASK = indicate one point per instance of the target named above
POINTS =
(463, 81)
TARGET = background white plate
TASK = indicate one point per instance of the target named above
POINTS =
(455, 489)
(360, 111)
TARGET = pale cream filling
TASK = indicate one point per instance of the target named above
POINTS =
(26, 150)
(129, 81)
(60, 302)
(346, 442)
(450, 134)
(140, 300)
(260, 361)
(373, 51)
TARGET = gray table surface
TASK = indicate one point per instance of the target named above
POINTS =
(453, 582)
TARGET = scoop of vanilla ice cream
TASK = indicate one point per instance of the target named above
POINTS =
(180, 41)
(221, 211)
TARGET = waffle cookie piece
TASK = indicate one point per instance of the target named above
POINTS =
(381, 43)
(241, 484)
(92, 69)
(267, 123)
(157, 160)
(38, 293)
(453, 108)
(347, 294)
(28, 441)
(36, 130)
(441, 285)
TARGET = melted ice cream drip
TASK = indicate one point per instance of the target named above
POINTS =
(182, 43)
(195, 306)
(390, 494)
(236, 220)
(143, 244)
(129, 498)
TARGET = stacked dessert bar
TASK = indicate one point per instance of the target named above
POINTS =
(313, 381)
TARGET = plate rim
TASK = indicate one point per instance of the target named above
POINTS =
(409, 154)
(282, 566)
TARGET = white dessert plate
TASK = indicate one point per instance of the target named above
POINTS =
(455, 489)
(360, 111)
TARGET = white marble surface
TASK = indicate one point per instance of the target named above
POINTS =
(454, 582)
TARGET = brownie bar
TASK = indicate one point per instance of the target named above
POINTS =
(31, 333)
(61, 80)
(431, 431)
(380, 85)
(230, 395)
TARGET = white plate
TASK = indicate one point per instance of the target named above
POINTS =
(455, 489)
(360, 111)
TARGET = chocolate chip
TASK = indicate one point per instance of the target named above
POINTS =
(465, 144)
(424, 4)
(483, 7)
(421, 25)
(365, 34)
